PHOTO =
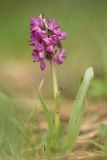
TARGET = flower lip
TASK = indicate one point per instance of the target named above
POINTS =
(61, 56)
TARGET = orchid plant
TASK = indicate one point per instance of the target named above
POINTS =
(46, 36)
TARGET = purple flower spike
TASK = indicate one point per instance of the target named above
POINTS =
(46, 38)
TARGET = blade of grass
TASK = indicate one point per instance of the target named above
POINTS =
(10, 128)
(78, 110)
(6, 109)
(30, 116)
(102, 147)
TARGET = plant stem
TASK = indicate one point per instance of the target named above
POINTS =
(56, 97)
(55, 86)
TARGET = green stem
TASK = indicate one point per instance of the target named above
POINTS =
(56, 97)
(55, 85)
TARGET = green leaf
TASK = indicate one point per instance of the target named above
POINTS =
(47, 112)
(78, 110)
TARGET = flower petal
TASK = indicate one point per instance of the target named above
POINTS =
(35, 56)
(61, 57)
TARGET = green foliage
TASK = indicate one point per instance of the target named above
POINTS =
(102, 147)
(16, 138)
(68, 142)
(47, 112)
(78, 110)
(10, 128)
(52, 139)
(102, 131)
(15, 143)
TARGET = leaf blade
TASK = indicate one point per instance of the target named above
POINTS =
(47, 112)
(78, 110)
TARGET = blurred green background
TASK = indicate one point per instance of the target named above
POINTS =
(86, 45)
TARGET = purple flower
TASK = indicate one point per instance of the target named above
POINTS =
(50, 49)
(60, 57)
(59, 34)
(53, 25)
(33, 22)
(46, 38)
(35, 56)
